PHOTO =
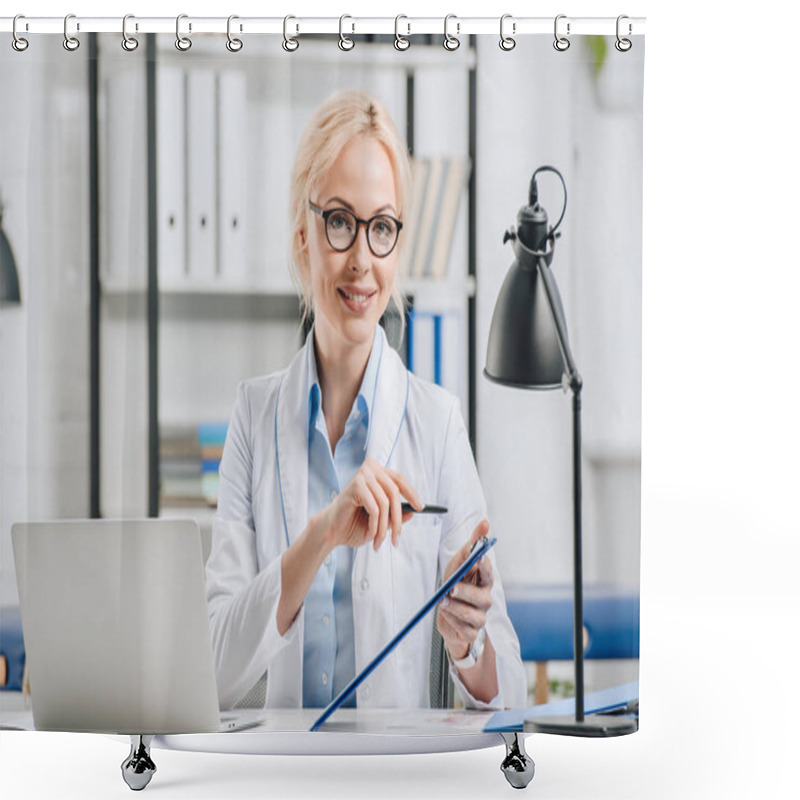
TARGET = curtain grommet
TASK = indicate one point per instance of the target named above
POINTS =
(561, 43)
(451, 43)
(233, 44)
(345, 42)
(289, 44)
(129, 43)
(70, 43)
(182, 43)
(401, 43)
(507, 42)
(18, 42)
(623, 44)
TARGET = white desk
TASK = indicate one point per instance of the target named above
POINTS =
(354, 732)
(351, 732)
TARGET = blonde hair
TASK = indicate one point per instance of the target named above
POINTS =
(340, 119)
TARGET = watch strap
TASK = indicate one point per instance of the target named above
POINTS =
(473, 654)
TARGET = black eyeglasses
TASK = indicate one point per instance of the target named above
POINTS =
(341, 229)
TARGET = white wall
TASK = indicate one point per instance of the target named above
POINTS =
(44, 382)
(537, 106)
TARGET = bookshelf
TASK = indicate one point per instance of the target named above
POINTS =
(408, 286)
(210, 306)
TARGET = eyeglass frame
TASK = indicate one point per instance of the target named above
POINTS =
(325, 213)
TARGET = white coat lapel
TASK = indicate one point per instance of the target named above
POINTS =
(388, 405)
(291, 446)
(291, 435)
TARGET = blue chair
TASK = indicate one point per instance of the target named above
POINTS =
(542, 618)
(12, 649)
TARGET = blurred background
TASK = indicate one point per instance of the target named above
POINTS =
(115, 386)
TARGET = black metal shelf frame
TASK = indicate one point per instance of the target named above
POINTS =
(152, 291)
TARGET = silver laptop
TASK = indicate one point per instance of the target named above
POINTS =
(116, 629)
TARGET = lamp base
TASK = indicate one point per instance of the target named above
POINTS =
(596, 725)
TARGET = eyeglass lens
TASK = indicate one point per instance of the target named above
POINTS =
(342, 229)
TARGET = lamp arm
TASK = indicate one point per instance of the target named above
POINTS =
(575, 384)
(575, 380)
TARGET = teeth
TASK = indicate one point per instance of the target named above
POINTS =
(359, 298)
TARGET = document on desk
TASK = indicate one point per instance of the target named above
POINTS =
(623, 698)
(481, 547)
(400, 721)
(411, 721)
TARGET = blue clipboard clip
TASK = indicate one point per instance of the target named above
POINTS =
(479, 550)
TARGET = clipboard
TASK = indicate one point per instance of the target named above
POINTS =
(481, 547)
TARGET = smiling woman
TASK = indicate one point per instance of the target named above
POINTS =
(349, 142)
(314, 564)
(352, 261)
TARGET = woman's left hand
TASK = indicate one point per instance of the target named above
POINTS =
(462, 613)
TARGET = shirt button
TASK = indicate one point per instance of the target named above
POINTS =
(327, 561)
(324, 678)
(333, 494)
(367, 692)
(364, 585)
(326, 620)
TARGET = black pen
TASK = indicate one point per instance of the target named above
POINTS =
(428, 509)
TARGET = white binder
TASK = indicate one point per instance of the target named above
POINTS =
(452, 189)
(201, 161)
(232, 153)
(124, 223)
(431, 203)
(171, 182)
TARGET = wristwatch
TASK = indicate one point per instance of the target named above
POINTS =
(473, 654)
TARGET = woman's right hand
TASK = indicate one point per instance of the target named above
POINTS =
(369, 506)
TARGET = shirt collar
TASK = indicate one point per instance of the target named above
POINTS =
(366, 393)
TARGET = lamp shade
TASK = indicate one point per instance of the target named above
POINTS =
(523, 348)
(9, 280)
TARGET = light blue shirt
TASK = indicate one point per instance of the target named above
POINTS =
(329, 637)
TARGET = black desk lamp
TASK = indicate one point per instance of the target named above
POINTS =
(528, 349)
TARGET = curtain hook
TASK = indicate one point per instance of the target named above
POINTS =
(183, 43)
(451, 43)
(345, 42)
(561, 43)
(18, 43)
(128, 42)
(290, 44)
(400, 42)
(507, 42)
(233, 44)
(70, 43)
(623, 45)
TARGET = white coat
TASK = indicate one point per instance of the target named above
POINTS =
(417, 429)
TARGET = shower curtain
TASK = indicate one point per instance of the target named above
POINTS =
(147, 222)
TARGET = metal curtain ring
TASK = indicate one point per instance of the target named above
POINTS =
(289, 43)
(561, 43)
(623, 45)
(70, 42)
(128, 42)
(18, 43)
(345, 42)
(183, 43)
(233, 44)
(400, 42)
(451, 42)
(507, 42)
